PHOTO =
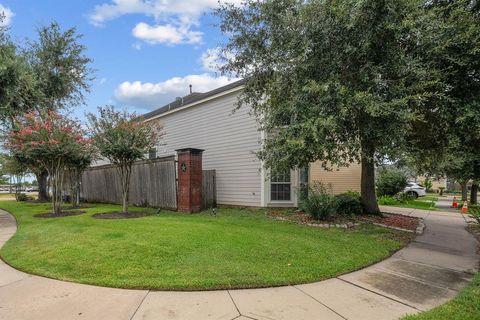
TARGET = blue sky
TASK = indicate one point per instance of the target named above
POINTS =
(145, 52)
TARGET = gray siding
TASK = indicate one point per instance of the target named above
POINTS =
(229, 140)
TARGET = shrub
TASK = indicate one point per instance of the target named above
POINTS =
(404, 197)
(474, 210)
(22, 197)
(390, 182)
(428, 185)
(349, 203)
(387, 200)
(319, 204)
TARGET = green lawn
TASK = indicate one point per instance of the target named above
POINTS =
(466, 306)
(423, 203)
(239, 248)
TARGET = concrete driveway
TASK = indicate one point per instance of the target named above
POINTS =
(427, 273)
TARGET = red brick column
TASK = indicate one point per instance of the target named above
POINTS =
(189, 180)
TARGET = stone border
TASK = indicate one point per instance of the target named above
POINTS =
(419, 230)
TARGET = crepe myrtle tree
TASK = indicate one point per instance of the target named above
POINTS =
(49, 141)
(329, 81)
(122, 138)
(75, 167)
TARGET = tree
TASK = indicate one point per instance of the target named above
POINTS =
(122, 138)
(75, 166)
(48, 141)
(17, 82)
(15, 170)
(391, 181)
(448, 42)
(62, 75)
(328, 80)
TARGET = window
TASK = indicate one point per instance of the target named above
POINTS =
(152, 153)
(280, 186)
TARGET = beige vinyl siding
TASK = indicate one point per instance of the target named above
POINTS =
(341, 180)
(229, 140)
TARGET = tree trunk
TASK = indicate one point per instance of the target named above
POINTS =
(464, 190)
(369, 198)
(125, 171)
(474, 193)
(42, 179)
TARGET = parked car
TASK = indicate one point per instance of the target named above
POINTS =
(415, 190)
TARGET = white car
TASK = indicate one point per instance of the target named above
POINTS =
(415, 190)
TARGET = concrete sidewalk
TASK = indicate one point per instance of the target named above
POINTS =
(429, 272)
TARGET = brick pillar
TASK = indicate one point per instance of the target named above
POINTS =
(189, 179)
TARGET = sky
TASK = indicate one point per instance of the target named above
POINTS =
(145, 52)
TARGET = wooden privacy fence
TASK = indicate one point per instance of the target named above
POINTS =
(209, 189)
(153, 183)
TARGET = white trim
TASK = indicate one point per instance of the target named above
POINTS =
(218, 95)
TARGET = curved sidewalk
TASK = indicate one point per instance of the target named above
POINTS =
(429, 272)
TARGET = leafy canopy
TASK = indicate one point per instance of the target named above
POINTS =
(121, 137)
(329, 80)
(47, 140)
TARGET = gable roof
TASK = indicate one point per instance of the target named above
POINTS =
(191, 99)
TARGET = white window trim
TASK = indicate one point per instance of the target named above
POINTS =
(266, 190)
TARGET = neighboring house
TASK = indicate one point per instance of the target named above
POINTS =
(230, 139)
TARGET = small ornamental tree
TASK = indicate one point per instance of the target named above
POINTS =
(122, 138)
(49, 141)
(75, 167)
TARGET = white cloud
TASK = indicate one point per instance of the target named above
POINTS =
(174, 19)
(167, 34)
(147, 95)
(185, 10)
(7, 16)
(210, 59)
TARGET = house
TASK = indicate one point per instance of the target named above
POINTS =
(230, 139)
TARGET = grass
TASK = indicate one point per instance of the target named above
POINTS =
(466, 306)
(239, 248)
(422, 203)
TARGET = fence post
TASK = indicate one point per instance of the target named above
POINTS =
(189, 179)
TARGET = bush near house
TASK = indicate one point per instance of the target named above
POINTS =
(320, 203)
(390, 182)
(348, 204)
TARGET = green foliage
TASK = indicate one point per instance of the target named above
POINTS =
(448, 41)
(51, 141)
(18, 92)
(348, 203)
(387, 200)
(122, 138)
(474, 210)
(320, 203)
(61, 68)
(428, 185)
(22, 197)
(390, 182)
(339, 80)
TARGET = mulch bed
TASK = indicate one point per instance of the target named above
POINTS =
(120, 215)
(60, 215)
(82, 206)
(392, 220)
